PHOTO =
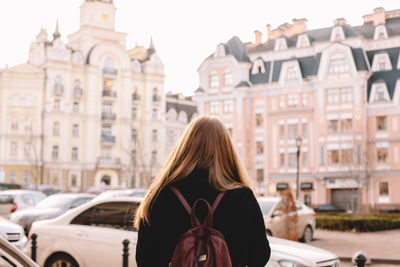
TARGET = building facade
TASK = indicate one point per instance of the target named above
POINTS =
(336, 88)
(86, 112)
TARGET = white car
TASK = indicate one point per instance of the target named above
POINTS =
(12, 232)
(121, 193)
(92, 235)
(11, 256)
(274, 218)
(18, 199)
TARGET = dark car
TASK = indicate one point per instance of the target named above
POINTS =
(328, 208)
(49, 208)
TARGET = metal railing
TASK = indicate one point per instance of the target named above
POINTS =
(108, 116)
(109, 93)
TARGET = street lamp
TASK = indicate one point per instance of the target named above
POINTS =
(298, 144)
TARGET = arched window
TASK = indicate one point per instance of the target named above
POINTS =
(56, 129)
(156, 98)
(58, 86)
(108, 67)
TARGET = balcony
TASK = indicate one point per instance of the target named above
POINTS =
(109, 94)
(58, 89)
(106, 162)
(156, 98)
(77, 92)
(110, 71)
(108, 116)
(108, 139)
(135, 97)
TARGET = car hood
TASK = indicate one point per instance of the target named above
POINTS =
(34, 212)
(310, 255)
(9, 227)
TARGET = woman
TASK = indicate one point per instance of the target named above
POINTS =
(202, 164)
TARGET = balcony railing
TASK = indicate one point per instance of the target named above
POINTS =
(156, 98)
(108, 93)
(108, 116)
(108, 138)
(58, 89)
(108, 161)
(110, 71)
(77, 92)
(135, 97)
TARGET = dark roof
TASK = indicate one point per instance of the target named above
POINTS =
(390, 77)
(308, 66)
(199, 90)
(189, 109)
(243, 84)
(236, 48)
(261, 77)
(359, 59)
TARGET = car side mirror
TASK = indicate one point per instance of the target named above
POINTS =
(276, 213)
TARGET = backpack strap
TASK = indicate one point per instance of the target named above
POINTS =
(217, 200)
(181, 199)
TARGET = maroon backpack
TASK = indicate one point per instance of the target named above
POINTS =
(201, 245)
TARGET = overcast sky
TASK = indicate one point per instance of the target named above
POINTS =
(184, 32)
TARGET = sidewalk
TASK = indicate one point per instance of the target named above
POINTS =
(382, 245)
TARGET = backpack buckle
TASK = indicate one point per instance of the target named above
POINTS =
(202, 257)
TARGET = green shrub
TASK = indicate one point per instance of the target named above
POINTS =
(357, 222)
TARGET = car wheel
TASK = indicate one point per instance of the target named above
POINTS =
(61, 260)
(307, 235)
(268, 232)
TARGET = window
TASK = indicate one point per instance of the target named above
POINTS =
(307, 199)
(228, 81)
(134, 113)
(380, 94)
(338, 66)
(134, 135)
(382, 154)
(347, 156)
(293, 131)
(291, 73)
(14, 149)
(58, 86)
(154, 156)
(13, 177)
(332, 126)
(304, 128)
(260, 176)
(259, 147)
(228, 106)
(259, 120)
(29, 101)
(322, 155)
(282, 101)
(214, 107)
(74, 154)
(333, 156)
(26, 178)
(106, 130)
(14, 126)
(293, 100)
(156, 98)
(75, 130)
(282, 160)
(304, 99)
(347, 95)
(154, 135)
(305, 159)
(347, 126)
(214, 81)
(27, 149)
(154, 114)
(282, 131)
(332, 96)
(56, 106)
(54, 153)
(75, 107)
(383, 189)
(293, 160)
(56, 129)
(381, 123)
(381, 66)
(133, 156)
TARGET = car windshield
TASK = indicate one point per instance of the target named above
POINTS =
(55, 201)
(266, 206)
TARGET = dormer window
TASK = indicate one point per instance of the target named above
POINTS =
(258, 66)
(303, 41)
(280, 44)
(338, 64)
(381, 62)
(380, 32)
(214, 81)
(337, 34)
(220, 52)
(291, 73)
(379, 93)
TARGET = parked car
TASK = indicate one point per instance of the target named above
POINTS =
(121, 193)
(102, 226)
(273, 218)
(50, 207)
(328, 208)
(12, 232)
(17, 199)
(12, 256)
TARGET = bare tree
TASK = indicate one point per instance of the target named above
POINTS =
(33, 155)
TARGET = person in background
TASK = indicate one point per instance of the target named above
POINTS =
(201, 165)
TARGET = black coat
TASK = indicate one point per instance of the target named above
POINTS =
(238, 217)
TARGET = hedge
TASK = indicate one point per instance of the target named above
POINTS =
(358, 223)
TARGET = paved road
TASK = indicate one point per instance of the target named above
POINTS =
(378, 245)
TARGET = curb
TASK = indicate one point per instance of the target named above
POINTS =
(374, 260)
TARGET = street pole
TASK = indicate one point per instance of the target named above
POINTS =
(298, 144)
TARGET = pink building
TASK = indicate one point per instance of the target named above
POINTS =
(337, 88)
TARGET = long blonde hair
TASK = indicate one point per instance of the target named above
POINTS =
(204, 144)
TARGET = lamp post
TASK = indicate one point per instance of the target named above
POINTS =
(298, 144)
